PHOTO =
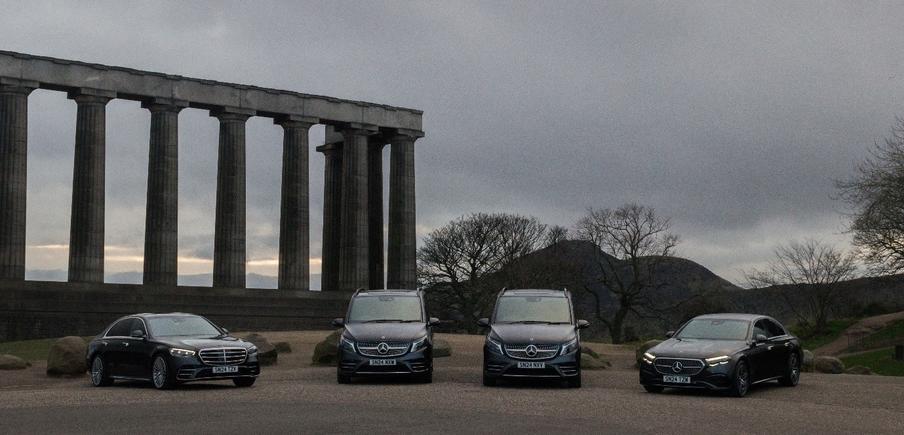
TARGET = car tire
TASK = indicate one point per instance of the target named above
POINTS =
(243, 382)
(100, 377)
(161, 376)
(426, 379)
(653, 388)
(489, 381)
(740, 380)
(343, 379)
(575, 382)
(792, 371)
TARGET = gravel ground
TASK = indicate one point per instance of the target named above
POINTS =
(295, 397)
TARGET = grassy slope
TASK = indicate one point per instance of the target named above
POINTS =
(813, 341)
(880, 361)
(892, 334)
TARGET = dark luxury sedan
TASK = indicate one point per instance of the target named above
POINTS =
(728, 352)
(387, 332)
(533, 334)
(169, 349)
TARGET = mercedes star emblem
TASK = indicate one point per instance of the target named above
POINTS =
(382, 348)
(677, 366)
(531, 351)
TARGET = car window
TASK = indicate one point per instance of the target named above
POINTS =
(774, 329)
(375, 308)
(714, 329)
(513, 309)
(760, 328)
(138, 325)
(172, 326)
(122, 328)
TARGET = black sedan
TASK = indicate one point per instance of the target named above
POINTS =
(728, 352)
(169, 349)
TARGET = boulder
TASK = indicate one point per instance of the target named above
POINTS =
(589, 351)
(806, 364)
(441, 348)
(326, 353)
(859, 370)
(283, 347)
(12, 362)
(67, 357)
(647, 345)
(589, 362)
(267, 354)
(828, 364)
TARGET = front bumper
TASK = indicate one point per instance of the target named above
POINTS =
(190, 369)
(710, 378)
(503, 366)
(412, 363)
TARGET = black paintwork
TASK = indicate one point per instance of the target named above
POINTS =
(767, 360)
(131, 358)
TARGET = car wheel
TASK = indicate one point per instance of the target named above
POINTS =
(653, 388)
(160, 374)
(99, 375)
(426, 379)
(741, 381)
(342, 379)
(575, 382)
(243, 382)
(792, 371)
(489, 381)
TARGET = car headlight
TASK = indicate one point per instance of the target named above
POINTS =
(181, 352)
(419, 344)
(252, 350)
(494, 346)
(714, 361)
(569, 347)
(648, 357)
(346, 343)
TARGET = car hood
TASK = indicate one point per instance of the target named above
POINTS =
(204, 342)
(386, 331)
(536, 334)
(696, 348)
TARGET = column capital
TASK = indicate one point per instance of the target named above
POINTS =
(358, 128)
(295, 121)
(164, 105)
(91, 96)
(16, 86)
(394, 134)
(239, 114)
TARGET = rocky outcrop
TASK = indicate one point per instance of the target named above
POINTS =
(828, 364)
(12, 362)
(67, 357)
(326, 353)
(267, 354)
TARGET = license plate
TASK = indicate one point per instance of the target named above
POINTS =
(382, 362)
(677, 379)
(225, 369)
(531, 365)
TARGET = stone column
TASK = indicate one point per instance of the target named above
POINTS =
(161, 237)
(332, 198)
(354, 252)
(86, 228)
(13, 167)
(294, 218)
(229, 226)
(401, 256)
(375, 211)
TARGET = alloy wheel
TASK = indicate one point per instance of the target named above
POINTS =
(742, 379)
(795, 369)
(97, 371)
(159, 372)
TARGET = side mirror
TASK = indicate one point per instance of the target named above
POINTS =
(483, 323)
(338, 322)
(433, 321)
(582, 324)
(670, 334)
(760, 338)
(137, 333)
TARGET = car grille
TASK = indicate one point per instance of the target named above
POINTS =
(383, 349)
(686, 366)
(532, 351)
(223, 356)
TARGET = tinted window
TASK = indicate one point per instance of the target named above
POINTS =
(773, 328)
(551, 309)
(760, 328)
(714, 329)
(138, 325)
(122, 328)
(385, 308)
(171, 326)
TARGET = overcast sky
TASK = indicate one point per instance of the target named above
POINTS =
(732, 118)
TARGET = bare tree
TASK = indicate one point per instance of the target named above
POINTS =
(876, 193)
(556, 234)
(633, 241)
(455, 259)
(810, 273)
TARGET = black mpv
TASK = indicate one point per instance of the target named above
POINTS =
(533, 334)
(169, 349)
(387, 332)
(728, 352)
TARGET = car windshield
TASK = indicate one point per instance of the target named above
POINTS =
(172, 326)
(385, 308)
(533, 309)
(715, 329)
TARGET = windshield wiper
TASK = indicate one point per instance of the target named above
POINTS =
(390, 321)
(536, 322)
